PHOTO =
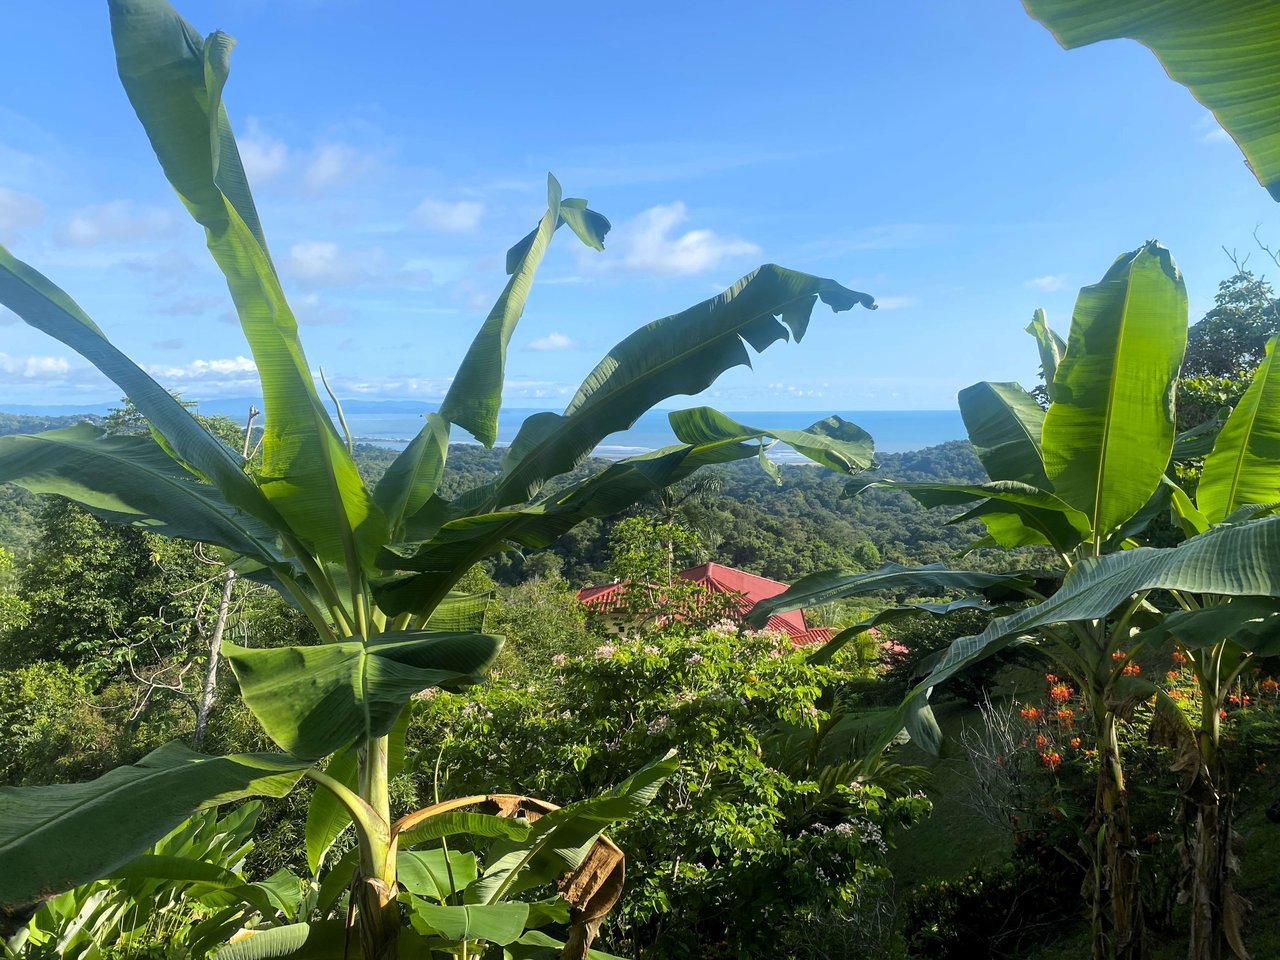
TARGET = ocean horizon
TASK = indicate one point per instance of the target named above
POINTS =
(894, 431)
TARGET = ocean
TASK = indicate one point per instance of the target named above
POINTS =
(895, 431)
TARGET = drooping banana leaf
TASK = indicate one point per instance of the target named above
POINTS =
(43, 305)
(1108, 435)
(315, 700)
(1051, 348)
(131, 480)
(1228, 561)
(458, 544)
(475, 395)
(680, 354)
(414, 475)
(454, 822)
(174, 80)
(891, 615)
(1223, 51)
(832, 442)
(54, 838)
(1244, 466)
(1004, 422)
(203, 877)
(1252, 623)
(930, 579)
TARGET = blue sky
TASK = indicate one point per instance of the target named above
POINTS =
(947, 158)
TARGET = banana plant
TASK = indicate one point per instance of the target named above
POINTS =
(373, 569)
(1223, 52)
(1083, 478)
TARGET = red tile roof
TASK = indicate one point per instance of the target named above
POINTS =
(726, 580)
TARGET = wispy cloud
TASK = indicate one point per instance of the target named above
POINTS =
(116, 222)
(333, 164)
(264, 156)
(35, 368)
(228, 375)
(649, 243)
(462, 216)
(1208, 130)
(320, 264)
(1048, 283)
(18, 212)
(896, 303)
(552, 341)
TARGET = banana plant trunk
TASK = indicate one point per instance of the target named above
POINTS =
(375, 893)
(1215, 909)
(1119, 929)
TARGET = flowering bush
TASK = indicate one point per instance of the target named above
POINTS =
(769, 821)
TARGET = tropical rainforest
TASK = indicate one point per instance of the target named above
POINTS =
(268, 692)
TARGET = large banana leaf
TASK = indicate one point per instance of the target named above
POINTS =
(1109, 432)
(53, 838)
(130, 479)
(1015, 514)
(930, 579)
(1231, 561)
(315, 700)
(475, 395)
(559, 841)
(44, 306)
(680, 354)
(499, 923)
(437, 874)
(831, 442)
(1251, 623)
(891, 615)
(458, 544)
(1051, 348)
(1004, 423)
(1244, 466)
(414, 475)
(174, 80)
(1224, 51)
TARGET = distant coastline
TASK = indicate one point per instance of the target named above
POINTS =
(393, 423)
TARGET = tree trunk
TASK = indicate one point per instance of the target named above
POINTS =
(215, 651)
(1119, 929)
(1217, 911)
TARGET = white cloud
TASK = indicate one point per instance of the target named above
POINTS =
(314, 312)
(1217, 135)
(264, 157)
(35, 368)
(460, 217)
(317, 264)
(896, 303)
(1047, 283)
(552, 341)
(646, 244)
(333, 163)
(232, 368)
(116, 222)
(18, 211)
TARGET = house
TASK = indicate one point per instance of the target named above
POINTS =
(743, 590)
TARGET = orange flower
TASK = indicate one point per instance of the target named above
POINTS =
(1131, 669)
(1059, 692)
(1041, 740)
(1222, 714)
(1179, 657)
(1029, 713)
(1051, 760)
(1118, 655)
(1051, 678)
(1075, 743)
(1270, 685)
(1173, 674)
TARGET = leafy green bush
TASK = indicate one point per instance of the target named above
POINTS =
(769, 822)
